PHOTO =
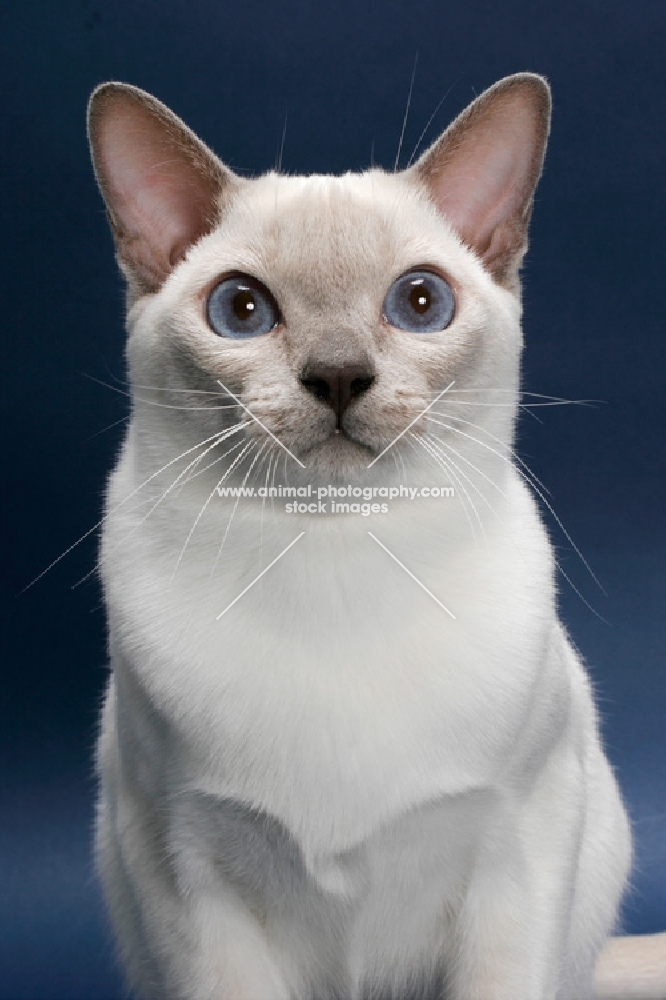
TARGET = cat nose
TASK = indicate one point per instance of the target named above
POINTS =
(337, 386)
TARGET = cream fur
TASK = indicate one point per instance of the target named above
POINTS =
(337, 787)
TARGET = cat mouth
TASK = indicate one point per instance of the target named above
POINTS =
(340, 432)
(340, 451)
(341, 436)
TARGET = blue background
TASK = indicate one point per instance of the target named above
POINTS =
(594, 321)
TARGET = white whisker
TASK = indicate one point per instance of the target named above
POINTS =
(516, 457)
(157, 503)
(233, 512)
(467, 461)
(152, 388)
(122, 503)
(269, 457)
(216, 461)
(107, 428)
(151, 402)
(278, 167)
(278, 455)
(261, 424)
(205, 505)
(411, 424)
(456, 430)
(536, 395)
(448, 459)
(404, 121)
(528, 406)
(441, 462)
(492, 509)
(577, 591)
(428, 124)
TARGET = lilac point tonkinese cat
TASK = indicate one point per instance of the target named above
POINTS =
(354, 754)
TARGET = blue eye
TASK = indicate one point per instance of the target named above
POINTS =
(420, 301)
(241, 307)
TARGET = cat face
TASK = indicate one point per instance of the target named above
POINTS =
(334, 309)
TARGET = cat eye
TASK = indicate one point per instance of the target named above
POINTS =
(420, 302)
(241, 307)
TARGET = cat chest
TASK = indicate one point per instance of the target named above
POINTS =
(330, 752)
(333, 701)
(411, 863)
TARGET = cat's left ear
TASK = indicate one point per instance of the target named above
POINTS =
(482, 172)
(162, 186)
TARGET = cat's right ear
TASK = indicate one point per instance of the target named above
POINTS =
(162, 186)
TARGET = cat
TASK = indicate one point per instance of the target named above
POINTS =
(342, 754)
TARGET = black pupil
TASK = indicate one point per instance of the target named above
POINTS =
(419, 299)
(243, 304)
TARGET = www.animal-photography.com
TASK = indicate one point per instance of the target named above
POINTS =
(334, 561)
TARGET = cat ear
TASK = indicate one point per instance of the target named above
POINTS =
(162, 186)
(482, 172)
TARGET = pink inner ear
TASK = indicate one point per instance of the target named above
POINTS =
(161, 196)
(476, 192)
(165, 212)
(482, 173)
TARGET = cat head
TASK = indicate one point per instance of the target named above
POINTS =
(328, 311)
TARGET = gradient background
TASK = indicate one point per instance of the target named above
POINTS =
(594, 319)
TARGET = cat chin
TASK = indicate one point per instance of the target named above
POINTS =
(338, 457)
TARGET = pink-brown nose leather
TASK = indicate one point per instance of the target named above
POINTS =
(337, 386)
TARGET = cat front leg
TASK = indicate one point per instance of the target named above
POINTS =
(511, 935)
(225, 955)
(178, 940)
(496, 953)
(178, 943)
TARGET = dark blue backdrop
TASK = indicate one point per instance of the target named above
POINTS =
(594, 319)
